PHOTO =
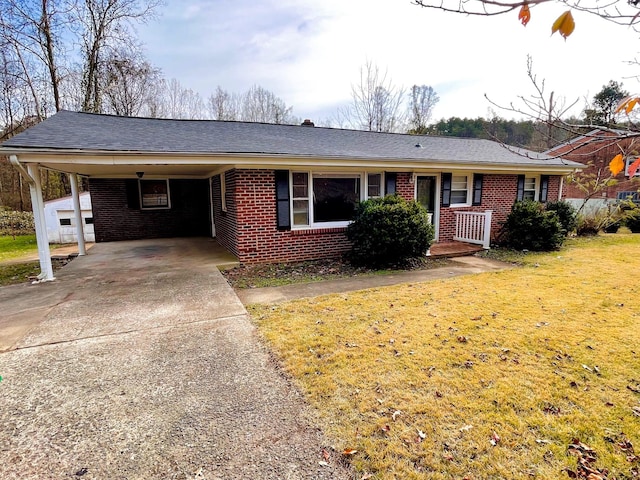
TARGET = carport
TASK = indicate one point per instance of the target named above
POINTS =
(189, 176)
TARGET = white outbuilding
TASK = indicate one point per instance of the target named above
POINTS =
(61, 222)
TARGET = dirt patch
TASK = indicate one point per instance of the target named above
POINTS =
(278, 274)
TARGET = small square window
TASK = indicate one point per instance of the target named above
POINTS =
(154, 194)
(459, 189)
(88, 221)
(65, 222)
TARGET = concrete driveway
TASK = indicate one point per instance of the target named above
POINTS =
(140, 362)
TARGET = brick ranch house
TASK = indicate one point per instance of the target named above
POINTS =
(275, 192)
(595, 150)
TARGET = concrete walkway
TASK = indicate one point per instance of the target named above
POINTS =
(140, 362)
(459, 266)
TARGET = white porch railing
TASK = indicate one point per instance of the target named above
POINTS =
(473, 227)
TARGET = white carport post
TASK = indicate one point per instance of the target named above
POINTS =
(37, 205)
(73, 179)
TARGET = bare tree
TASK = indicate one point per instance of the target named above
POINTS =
(128, 84)
(105, 26)
(224, 105)
(376, 103)
(422, 101)
(32, 30)
(262, 105)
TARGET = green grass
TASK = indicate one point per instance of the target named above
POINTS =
(18, 272)
(11, 248)
(538, 355)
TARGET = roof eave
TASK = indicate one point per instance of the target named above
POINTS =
(253, 159)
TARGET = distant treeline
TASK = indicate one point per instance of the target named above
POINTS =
(536, 136)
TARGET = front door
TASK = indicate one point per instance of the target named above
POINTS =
(426, 194)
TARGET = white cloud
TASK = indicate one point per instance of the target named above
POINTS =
(309, 53)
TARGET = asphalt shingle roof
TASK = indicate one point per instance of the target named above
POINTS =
(73, 131)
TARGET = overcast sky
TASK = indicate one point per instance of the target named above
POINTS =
(309, 53)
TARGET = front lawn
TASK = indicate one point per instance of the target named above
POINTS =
(11, 248)
(490, 376)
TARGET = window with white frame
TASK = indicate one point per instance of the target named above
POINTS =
(530, 188)
(374, 185)
(460, 189)
(300, 198)
(330, 198)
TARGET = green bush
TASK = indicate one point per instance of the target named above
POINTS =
(632, 220)
(530, 227)
(16, 223)
(389, 231)
(566, 214)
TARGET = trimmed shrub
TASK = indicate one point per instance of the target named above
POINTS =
(16, 223)
(389, 231)
(632, 221)
(566, 214)
(530, 227)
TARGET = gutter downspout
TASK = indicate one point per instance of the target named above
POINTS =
(32, 176)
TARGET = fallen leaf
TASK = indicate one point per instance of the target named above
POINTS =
(587, 368)
(366, 476)
(636, 411)
(495, 439)
(524, 15)
(323, 464)
(564, 24)
(466, 428)
(350, 451)
(421, 434)
(385, 428)
(395, 415)
(616, 165)
(325, 455)
(463, 339)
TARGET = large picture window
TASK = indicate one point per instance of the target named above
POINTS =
(334, 198)
(154, 194)
(330, 199)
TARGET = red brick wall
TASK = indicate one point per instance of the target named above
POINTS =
(225, 222)
(251, 212)
(117, 217)
(599, 154)
(498, 195)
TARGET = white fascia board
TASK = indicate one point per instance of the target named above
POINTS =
(224, 161)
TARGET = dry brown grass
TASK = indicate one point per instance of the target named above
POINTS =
(540, 355)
